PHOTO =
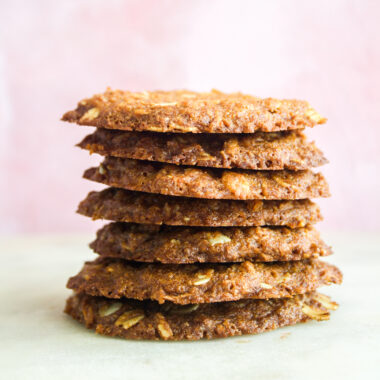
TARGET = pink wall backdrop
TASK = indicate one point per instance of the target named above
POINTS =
(53, 53)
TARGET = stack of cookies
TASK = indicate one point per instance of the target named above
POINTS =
(212, 224)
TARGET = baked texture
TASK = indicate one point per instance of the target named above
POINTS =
(186, 245)
(131, 319)
(167, 179)
(186, 111)
(260, 151)
(128, 206)
(202, 283)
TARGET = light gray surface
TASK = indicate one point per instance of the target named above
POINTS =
(39, 342)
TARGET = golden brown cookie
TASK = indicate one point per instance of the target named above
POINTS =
(128, 206)
(260, 151)
(167, 179)
(202, 283)
(187, 111)
(186, 245)
(131, 319)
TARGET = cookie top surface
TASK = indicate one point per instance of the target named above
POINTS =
(186, 111)
(202, 283)
(167, 179)
(131, 319)
(186, 245)
(128, 206)
(260, 151)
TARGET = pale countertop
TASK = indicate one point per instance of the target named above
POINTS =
(39, 342)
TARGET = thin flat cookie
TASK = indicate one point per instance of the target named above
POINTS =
(167, 179)
(128, 206)
(131, 319)
(187, 245)
(186, 111)
(260, 151)
(202, 283)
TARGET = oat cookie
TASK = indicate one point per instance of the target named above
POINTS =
(186, 245)
(131, 319)
(128, 206)
(202, 283)
(186, 111)
(260, 151)
(167, 179)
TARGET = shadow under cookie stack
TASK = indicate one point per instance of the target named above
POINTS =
(212, 225)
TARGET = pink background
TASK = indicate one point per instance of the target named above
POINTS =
(53, 53)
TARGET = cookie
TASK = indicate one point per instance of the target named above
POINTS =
(184, 245)
(202, 283)
(128, 206)
(167, 179)
(260, 151)
(186, 111)
(131, 319)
